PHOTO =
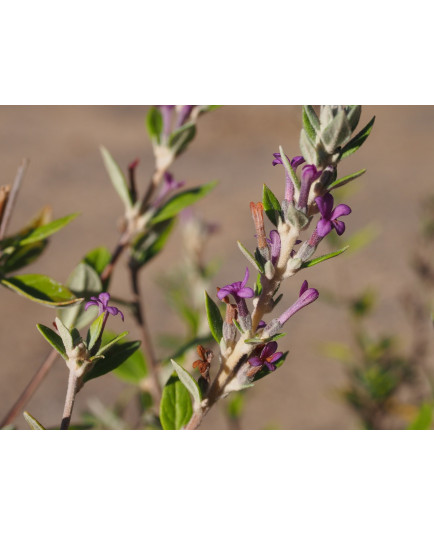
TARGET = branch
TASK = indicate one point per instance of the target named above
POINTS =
(12, 197)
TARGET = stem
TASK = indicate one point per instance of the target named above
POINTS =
(12, 197)
(70, 399)
(30, 388)
(139, 314)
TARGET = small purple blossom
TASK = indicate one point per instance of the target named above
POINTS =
(267, 356)
(330, 217)
(274, 243)
(237, 289)
(307, 296)
(102, 303)
(166, 113)
(184, 115)
(295, 162)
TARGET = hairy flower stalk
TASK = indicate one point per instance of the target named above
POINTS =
(303, 199)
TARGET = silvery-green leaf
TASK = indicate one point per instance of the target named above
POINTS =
(345, 180)
(250, 257)
(353, 116)
(176, 407)
(65, 335)
(355, 144)
(117, 178)
(296, 217)
(189, 382)
(326, 115)
(41, 289)
(289, 169)
(336, 133)
(32, 422)
(215, 320)
(84, 281)
(307, 149)
(53, 340)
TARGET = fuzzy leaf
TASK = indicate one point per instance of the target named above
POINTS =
(114, 357)
(154, 124)
(65, 335)
(307, 149)
(176, 407)
(311, 122)
(181, 201)
(117, 178)
(94, 332)
(215, 320)
(41, 289)
(348, 178)
(271, 205)
(296, 217)
(32, 422)
(189, 382)
(53, 340)
(337, 132)
(289, 169)
(250, 257)
(181, 138)
(353, 145)
(42, 232)
(353, 116)
(323, 258)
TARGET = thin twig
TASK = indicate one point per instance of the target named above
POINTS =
(30, 388)
(139, 314)
(69, 400)
(12, 197)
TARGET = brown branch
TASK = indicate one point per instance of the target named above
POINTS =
(12, 197)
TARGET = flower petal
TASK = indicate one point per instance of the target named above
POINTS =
(246, 292)
(270, 366)
(223, 292)
(339, 226)
(325, 205)
(275, 357)
(246, 278)
(323, 227)
(340, 210)
(255, 362)
(269, 349)
(304, 287)
(104, 298)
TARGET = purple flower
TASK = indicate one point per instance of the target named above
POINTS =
(274, 243)
(267, 356)
(184, 115)
(307, 296)
(166, 113)
(169, 185)
(295, 162)
(329, 216)
(102, 303)
(237, 289)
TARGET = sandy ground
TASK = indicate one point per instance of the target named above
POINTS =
(234, 146)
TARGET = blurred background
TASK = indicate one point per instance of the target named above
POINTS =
(234, 146)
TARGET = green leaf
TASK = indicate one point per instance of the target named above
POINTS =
(182, 137)
(265, 372)
(176, 407)
(117, 178)
(42, 232)
(134, 369)
(22, 256)
(307, 149)
(215, 320)
(271, 205)
(353, 116)
(181, 201)
(296, 217)
(189, 382)
(237, 325)
(337, 132)
(152, 242)
(53, 340)
(423, 419)
(154, 124)
(311, 122)
(98, 259)
(250, 257)
(94, 332)
(348, 178)
(84, 282)
(105, 348)
(355, 144)
(323, 258)
(41, 289)
(114, 357)
(289, 169)
(32, 422)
